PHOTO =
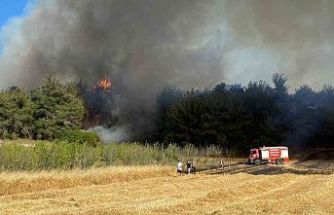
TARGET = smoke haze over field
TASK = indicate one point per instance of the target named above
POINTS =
(183, 42)
(148, 44)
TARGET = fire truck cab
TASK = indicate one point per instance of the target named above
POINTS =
(263, 155)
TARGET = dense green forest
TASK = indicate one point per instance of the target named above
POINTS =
(52, 111)
(238, 117)
(232, 117)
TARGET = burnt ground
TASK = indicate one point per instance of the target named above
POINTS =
(317, 159)
(271, 170)
(317, 162)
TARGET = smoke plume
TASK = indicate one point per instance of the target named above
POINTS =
(149, 44)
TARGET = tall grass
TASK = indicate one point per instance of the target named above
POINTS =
(63, 155)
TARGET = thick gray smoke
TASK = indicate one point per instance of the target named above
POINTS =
(146, 45)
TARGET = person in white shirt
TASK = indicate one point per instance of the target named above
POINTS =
(179, 168)
(221, 164)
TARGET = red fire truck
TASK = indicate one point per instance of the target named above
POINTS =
(263, 155)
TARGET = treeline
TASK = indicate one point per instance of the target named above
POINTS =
(48, 112)
(232, 117)
(238, 117)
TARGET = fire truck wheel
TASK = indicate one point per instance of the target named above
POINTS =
(257, 162)
(280, 162)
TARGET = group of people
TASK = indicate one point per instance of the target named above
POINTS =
(190, 167)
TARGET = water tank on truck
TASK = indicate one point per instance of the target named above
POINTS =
(263, 155)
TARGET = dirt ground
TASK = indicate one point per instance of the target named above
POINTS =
(157, 190)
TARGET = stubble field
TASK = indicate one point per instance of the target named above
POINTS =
(157, 190)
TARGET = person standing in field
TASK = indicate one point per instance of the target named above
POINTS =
(179, 168)
(188, 167)
(221, 164)
(193, 167)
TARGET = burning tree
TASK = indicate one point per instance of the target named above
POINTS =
(104, 84)
(98, 101)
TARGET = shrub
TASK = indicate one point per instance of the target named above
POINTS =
(79, 137)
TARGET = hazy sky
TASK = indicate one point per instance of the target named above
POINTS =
(186, 43)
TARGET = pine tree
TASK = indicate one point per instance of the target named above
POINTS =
(57, 107)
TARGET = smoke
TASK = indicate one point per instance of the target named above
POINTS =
(149, 44)
(295, 37)
(114, 134)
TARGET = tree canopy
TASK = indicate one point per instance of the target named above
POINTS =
(41, 113)
(238, 118)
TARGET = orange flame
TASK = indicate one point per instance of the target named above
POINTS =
(105, 84)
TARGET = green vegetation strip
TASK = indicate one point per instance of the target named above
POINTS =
(45, 155)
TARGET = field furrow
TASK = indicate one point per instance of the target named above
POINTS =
(157, 190)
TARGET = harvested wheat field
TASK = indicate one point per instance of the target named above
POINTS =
(157, 190)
